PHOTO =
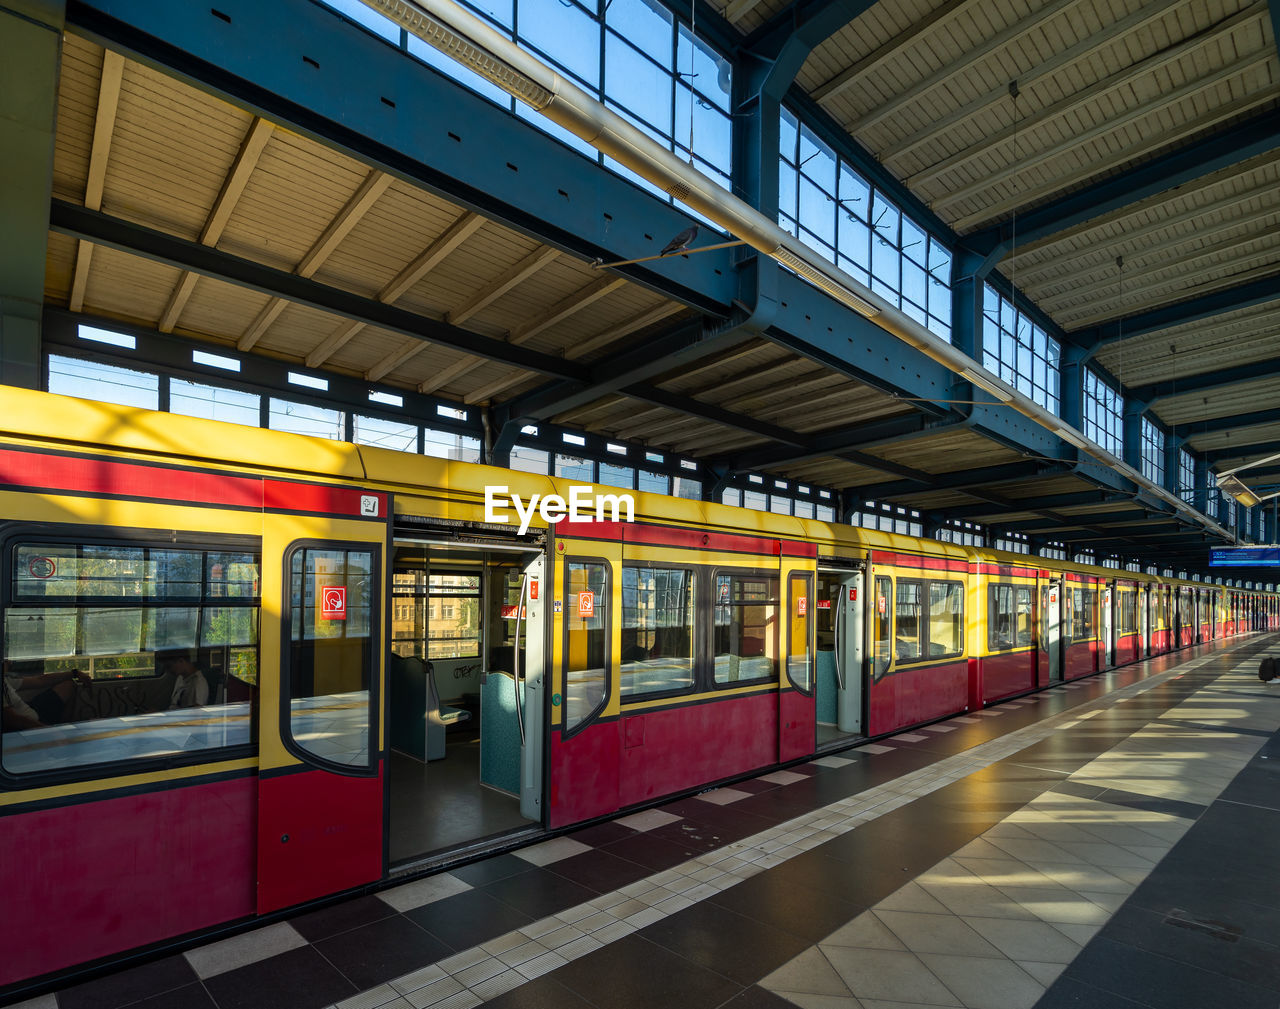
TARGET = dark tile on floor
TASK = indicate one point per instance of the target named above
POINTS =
(378, 952)
(1160, 980)
(848, 880)
(656, 853)
(779, 903)
(1213, 944)
(756, 997)
(723, 941)
(1257, 785)
(803, 768)
(130, 985)
(753, 785)
(599, 870)
(192, 996)
(299, 979)
(1078, 788)
(633, 973)
(1068, 993)
(539, 892)
(704, 835)
(468, 919)
(541, 993)
(602, 834)
(490, 869)
(1153, 804)
(341, 917)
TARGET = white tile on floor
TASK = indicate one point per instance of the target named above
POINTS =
(649, 819)
(723, 796)
(936, 933)
(1045, 973)
(374, 998)
(783, 777)
(990, 712)
(49, 1001)
(889, 974)
(866, 931)
(423, 891)
(805, 1000)
(809, 972)
(964, 719)
(551, 851)
(242, 950)
(985, 984)
(1026, 940)
(910, 737)
(912, 897)
(875, 748)
(833, 761)
(939, 728)
(420, 979)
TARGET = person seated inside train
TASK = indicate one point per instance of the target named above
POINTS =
(49, 707)
(190, 688)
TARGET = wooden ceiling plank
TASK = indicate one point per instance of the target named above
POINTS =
(519, 273)
(1106, 125)
(373, 186)
(104, 125)
(738, 9)
(847, 78)
(436, 253)
(1010, 34)
(608, 336)
(1113, 82)
(1111, 33)
(246, 160)
(995, 213)
(270, 312)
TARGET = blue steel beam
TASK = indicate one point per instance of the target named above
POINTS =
(1242, 450)
(1238, 143)
(1206, 380)
(856, 437)
(157, 246)
(969, 480)
(1258, 292)
(785, 40)
(1231, 423)
(300, 64)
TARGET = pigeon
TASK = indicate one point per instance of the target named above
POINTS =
(681, 242)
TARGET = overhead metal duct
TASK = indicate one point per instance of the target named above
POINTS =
(470, 41)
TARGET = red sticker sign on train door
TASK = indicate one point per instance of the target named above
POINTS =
(802, 605)
(853, 595)
(533, 588)
(333, 602)
(586, 604)
(880, 605)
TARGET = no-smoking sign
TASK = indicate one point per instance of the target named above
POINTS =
(333, 602)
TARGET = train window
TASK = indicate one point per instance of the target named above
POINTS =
(586, 645)
(746, 628)
(883, 626)
(908, 644)
(946, 619)
(799, 622)
(330, 665)
(1126, 612)
(1023, 618)
(658, 606)
(1000, 618)
(125, 651)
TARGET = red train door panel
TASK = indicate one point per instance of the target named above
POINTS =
(797, 725)
(320, 809)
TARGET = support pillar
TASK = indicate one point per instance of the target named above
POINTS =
(30, 57)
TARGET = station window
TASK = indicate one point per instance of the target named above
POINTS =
(746, 628)
(586, 641)
(214, 402)
(392, 434)
(1103, 409)
(573, 468)
(304, 418)
(331, 656)
(448, 445)
(1018, 351)
(107, 383)
(832, 209)
(121, 651)
(530, 460)
(1152, 452)
(658, 634)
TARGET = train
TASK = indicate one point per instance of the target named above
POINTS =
(246, 671)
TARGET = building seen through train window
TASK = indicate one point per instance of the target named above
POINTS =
(1103, 409)
(435, 615)
(933, 633)
(658, 637)
(1019, 351)
(117, 651)
(1083, 603)
(1009, 617)
(746, 627)
(631, 54)
(833, 210)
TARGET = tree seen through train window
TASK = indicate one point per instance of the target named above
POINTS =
(117, 651)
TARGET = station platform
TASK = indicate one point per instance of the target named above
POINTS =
(1109, 842)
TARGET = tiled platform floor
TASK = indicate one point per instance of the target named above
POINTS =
(1099, 844)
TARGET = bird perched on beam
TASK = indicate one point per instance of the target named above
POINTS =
(681, 242)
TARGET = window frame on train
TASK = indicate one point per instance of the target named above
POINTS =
(590, 716)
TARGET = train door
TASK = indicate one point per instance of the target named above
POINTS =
(840, 656)
(1053, 628)
(321, 744)
(796, 711)
(466, 684)
(1110, 595)
(1144, 621)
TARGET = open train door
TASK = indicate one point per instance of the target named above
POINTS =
(321, 752)
(841, 644)
(1053, 607)
(1109, 596)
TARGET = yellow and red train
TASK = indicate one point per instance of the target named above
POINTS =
(246, 670)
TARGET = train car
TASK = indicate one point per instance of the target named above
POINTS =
(247, 670)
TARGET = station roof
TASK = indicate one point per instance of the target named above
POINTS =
(188, 200)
